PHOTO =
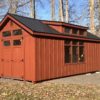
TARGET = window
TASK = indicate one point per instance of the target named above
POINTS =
(6, 34)
(81, 43)
(67, 30)
(17, 32)
(74, 42)
(67, 42)
(81, 32)
(75, 31)
(67, 53)
(74, 51)
(17, 42)
(74, 54)
(6, 43)
(81, 51)
(81, 54)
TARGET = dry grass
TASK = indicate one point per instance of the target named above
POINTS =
(19, 90)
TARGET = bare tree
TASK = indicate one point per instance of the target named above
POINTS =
(2, 8)
(92, 24)
(67, 13)
(61, 17)
(99, 12)
(32, 7)
(53, 9)
(13, 6)
(98, 16)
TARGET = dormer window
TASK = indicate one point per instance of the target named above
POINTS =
(82, 32)
(75, 31)
(67, 30)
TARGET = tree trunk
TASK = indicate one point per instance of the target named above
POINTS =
(61, 17)
(67, 15)
(92, 25)
(53, 9)
(13, 6)
(32, 7)
(99, 13)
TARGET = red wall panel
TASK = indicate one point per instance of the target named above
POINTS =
(50, 59)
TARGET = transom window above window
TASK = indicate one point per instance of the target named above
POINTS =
(17, 32)
(6, 34)
(67, 30)
(81, 43)
(75, 42)
(67, 42)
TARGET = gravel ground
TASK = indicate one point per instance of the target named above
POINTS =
(90, 78)
(80, 87)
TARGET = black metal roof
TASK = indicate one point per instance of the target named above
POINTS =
(38, 26)
(34, 24)
(92, 36)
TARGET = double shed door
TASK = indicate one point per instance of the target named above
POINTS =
(13, 57)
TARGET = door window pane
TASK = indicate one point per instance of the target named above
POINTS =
(17, 32)
(6, 43)
(74, 54)
(17, 42)
(67, 54)
(6, 34)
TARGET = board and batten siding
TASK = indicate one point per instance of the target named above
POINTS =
(26, 55)
(50, 59)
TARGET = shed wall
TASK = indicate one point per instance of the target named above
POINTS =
(50, 59)
(29, 58)
(28, 52)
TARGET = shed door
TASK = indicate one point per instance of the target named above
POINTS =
(18, 58)
(13, 54)
(6, 58)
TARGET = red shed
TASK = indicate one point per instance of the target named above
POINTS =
(37, 50)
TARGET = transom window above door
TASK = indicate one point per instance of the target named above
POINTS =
(17, 32)
(14, 33)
